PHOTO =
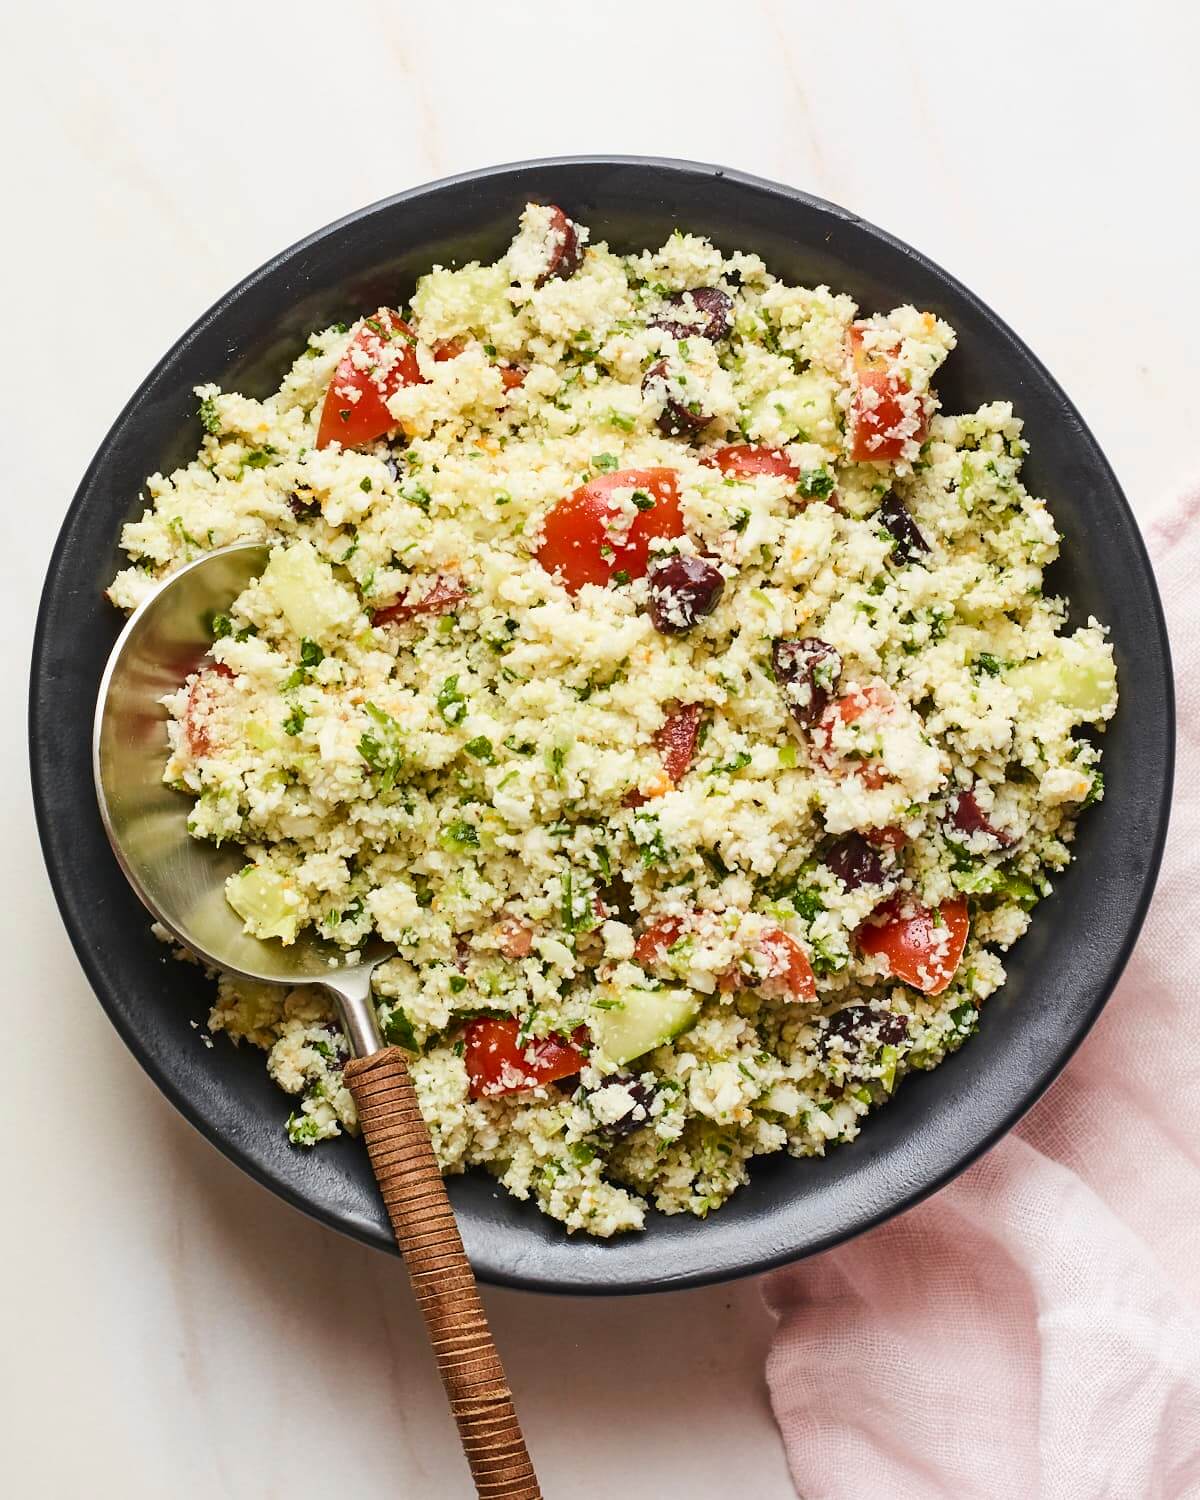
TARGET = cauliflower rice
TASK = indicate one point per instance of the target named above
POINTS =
(670, 682)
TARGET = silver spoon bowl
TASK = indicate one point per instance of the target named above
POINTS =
(181, 879)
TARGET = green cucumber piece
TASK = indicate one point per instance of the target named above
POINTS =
(1077, 675)
(265, 901)
(306, 593)
(628, 1023)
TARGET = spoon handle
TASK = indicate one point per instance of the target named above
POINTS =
(415, 1197)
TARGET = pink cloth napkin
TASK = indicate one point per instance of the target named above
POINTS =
(1034, 1329)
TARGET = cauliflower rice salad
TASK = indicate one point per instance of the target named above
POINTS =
(646, 657)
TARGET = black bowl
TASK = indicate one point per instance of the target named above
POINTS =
(1059, 975)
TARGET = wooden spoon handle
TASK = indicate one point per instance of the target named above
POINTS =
(427, 1234)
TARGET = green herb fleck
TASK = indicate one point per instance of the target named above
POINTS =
(985, 662)
(451, 704)
(381, 748)
(815, 484)
(398, 1031)
(210, 418)
(459, 835)
(729, 767)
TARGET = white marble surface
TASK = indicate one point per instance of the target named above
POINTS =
(169, 1328)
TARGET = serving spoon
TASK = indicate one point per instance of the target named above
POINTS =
(181, 880)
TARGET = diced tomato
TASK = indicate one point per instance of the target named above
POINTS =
(199, 706)
(511, 376)
(676, 740)
(921, 947)
(380, 359)
(514, 938)
(651, 947)
(890, 837)
(789, 974)
(743, 460)
(497, 1063)
(439, 599)
(880, 421)
(846, 710)
(581, 541)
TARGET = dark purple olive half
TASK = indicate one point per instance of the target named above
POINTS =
(904, 531)
(683, 590)
(807, 672)
(703, 312)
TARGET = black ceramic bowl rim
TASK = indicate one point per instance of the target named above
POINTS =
(938, 1123)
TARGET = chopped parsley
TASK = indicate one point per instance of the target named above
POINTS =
(210, 418)
(459, 835)
(815, 484)
(451, 704)
(381, 747)
(986, 663)
(729, 767)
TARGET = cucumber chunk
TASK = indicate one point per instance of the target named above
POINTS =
(265, 901)
(627, 1023)
(306, 593)
(472, 299)
(800, 408)
(1078, 674)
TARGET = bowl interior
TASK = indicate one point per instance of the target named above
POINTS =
(1059, 974)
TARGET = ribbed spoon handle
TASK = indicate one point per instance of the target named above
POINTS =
(427, 1234)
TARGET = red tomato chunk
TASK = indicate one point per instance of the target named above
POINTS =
(497, 1063)
(787, 973)
(585, 538)
(380, 359)
(439, 599)
(743, 460)
(651, 947)
(920, 946)
(676, 740)
(880, 415)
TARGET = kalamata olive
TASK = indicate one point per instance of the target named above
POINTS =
(677, 418)
(682, 590)
(703, 312)
(618, 898)
(968, 817)
(807, 672)
(855, 863)
(900, 526)
(638, 1113)
(872, 1024)
(565, 251)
